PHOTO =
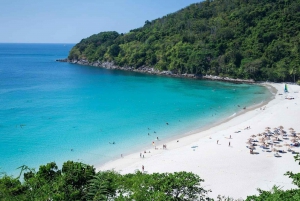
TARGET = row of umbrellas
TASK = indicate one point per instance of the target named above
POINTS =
(268, 138)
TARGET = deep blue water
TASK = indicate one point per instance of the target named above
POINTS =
(52, 111)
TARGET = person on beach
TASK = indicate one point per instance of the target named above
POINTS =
(121, 155)
(143, 168)
(157, 138)
(140, 155)
(229, 144)
(217, 141)
(230, 136)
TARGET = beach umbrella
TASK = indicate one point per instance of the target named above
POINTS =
(281, 127)
(268, 127)
(291, 129)
(259, 134)
(253, 136)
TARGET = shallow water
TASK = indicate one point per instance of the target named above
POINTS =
(52, 111)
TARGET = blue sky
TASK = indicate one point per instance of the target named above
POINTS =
(68, 21)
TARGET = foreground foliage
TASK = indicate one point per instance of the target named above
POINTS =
(256, 39)
(77, 181)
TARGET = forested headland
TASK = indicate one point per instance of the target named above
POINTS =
(247, 39)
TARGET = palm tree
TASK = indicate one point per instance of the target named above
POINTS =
(293, 71)
(97, 189)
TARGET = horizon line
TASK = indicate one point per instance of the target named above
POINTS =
(32, 43)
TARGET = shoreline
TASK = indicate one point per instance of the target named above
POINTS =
(180, 157)
(272, 90)
(152, 71)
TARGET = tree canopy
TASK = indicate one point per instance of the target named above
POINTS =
(256, 39)
(78, 181)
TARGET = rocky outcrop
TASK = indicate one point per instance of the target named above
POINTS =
(152, 70)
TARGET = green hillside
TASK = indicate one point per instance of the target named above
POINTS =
(256, 39)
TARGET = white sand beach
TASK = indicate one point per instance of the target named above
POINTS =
(228, 170)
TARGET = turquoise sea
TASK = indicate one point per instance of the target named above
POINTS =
(52, 111)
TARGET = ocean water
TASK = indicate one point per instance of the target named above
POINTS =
(52, 111)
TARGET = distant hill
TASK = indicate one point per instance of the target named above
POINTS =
(256, 39)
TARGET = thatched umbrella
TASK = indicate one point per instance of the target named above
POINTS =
(259, 134)
(253, 136)
(281, 127)
(286, 144)
(268, 127)
(291, 129)
(251, 147)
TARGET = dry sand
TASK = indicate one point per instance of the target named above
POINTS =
(227, 170)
